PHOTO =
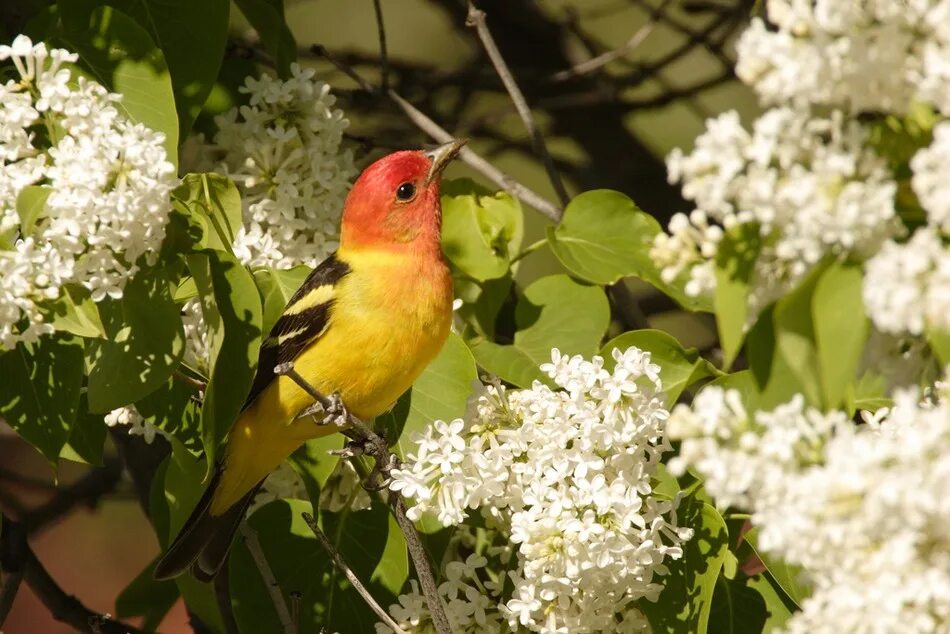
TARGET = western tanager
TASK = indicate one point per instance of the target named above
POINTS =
(363, 325)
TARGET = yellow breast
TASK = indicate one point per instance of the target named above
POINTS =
(391, 315)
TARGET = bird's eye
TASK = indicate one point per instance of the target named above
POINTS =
(406, 191)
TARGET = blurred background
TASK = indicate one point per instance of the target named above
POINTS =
(614, 85)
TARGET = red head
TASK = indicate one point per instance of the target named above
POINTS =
(394, 204)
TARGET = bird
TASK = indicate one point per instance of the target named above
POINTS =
(362, 326)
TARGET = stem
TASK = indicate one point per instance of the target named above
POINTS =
(270, 580)
(379, 450)
(383, 57)
(341, 564)
(476, 19)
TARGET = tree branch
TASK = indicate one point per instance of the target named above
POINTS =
(249, 535)
(476, 19)
(341, 564)
(88, 490)
(375, 446)
(383, 57)
(434, 130)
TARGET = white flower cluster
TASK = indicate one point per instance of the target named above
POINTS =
(907, 286)
(808, 184)
(283, 149)
(862, 509)
(867, 56)
(106, 181)
(567, 475)
(137, 425)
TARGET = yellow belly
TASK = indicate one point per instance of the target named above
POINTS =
(384, 329)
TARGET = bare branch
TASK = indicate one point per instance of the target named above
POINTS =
(341, 564)
(602, 60)
(434, 130)
(476, 19)
(88, 490)
(222, 596)
(249, 535)
(383, 57)
(376, 447)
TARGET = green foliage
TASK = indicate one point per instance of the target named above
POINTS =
(267, 18)
(30, 205)
(75, 312)
(735, 262)
(686, 601)
(213, 204)
(39, 393)
(231, 306)
(841, 329)
(440, 393)
(679, 367)
(555, 312)
(121, 55)
(144, 342)
(604, 237)
(788, 578)
(147, 598)
(481, 229)
(277, 287)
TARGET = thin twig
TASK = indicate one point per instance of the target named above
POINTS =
(476, 19)
(270, 580)
(379, 450)
(12, 555)
(341, 564)
(437, 132)
(602, 60)
(383, 57)
(191, 382)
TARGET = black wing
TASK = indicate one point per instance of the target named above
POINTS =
(304, 319)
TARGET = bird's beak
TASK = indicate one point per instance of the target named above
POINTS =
(442, 156)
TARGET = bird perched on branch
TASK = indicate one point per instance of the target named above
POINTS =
(363, 326)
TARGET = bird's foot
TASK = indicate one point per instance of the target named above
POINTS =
(336, 410)
(381, 476)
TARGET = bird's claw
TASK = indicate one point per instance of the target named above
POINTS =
(336, 411)
(380, 477)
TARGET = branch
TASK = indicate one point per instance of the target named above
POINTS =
(476, 19)
(222, 596)
(64, 607)
(270, 580)
(376, 447)
(383, 57)
(602, 60)
(434, 130)
(341, 564)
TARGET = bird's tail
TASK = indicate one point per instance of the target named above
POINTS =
(205, 539)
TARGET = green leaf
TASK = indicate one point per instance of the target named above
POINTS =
(482, 302)
(144, 346)
(122, 56)
(147, 598)
(231, 307)
(781, 348)
(679, 367)
(39, 393)
(841, 329)
(182, 488)
(868, 393)
(776, 603)
(939, 342)
(267, 18)
(481, 230)
(737, 608)
(604, 237)
(686, 600)
(440, 393)
(735, 263)
(87, 437)
(214, 203)
(393, 568)
(277, 287)
(300, 564)
(788, 577)
(75, 312)
(30, 205)
(173, 408)
(555, 312)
